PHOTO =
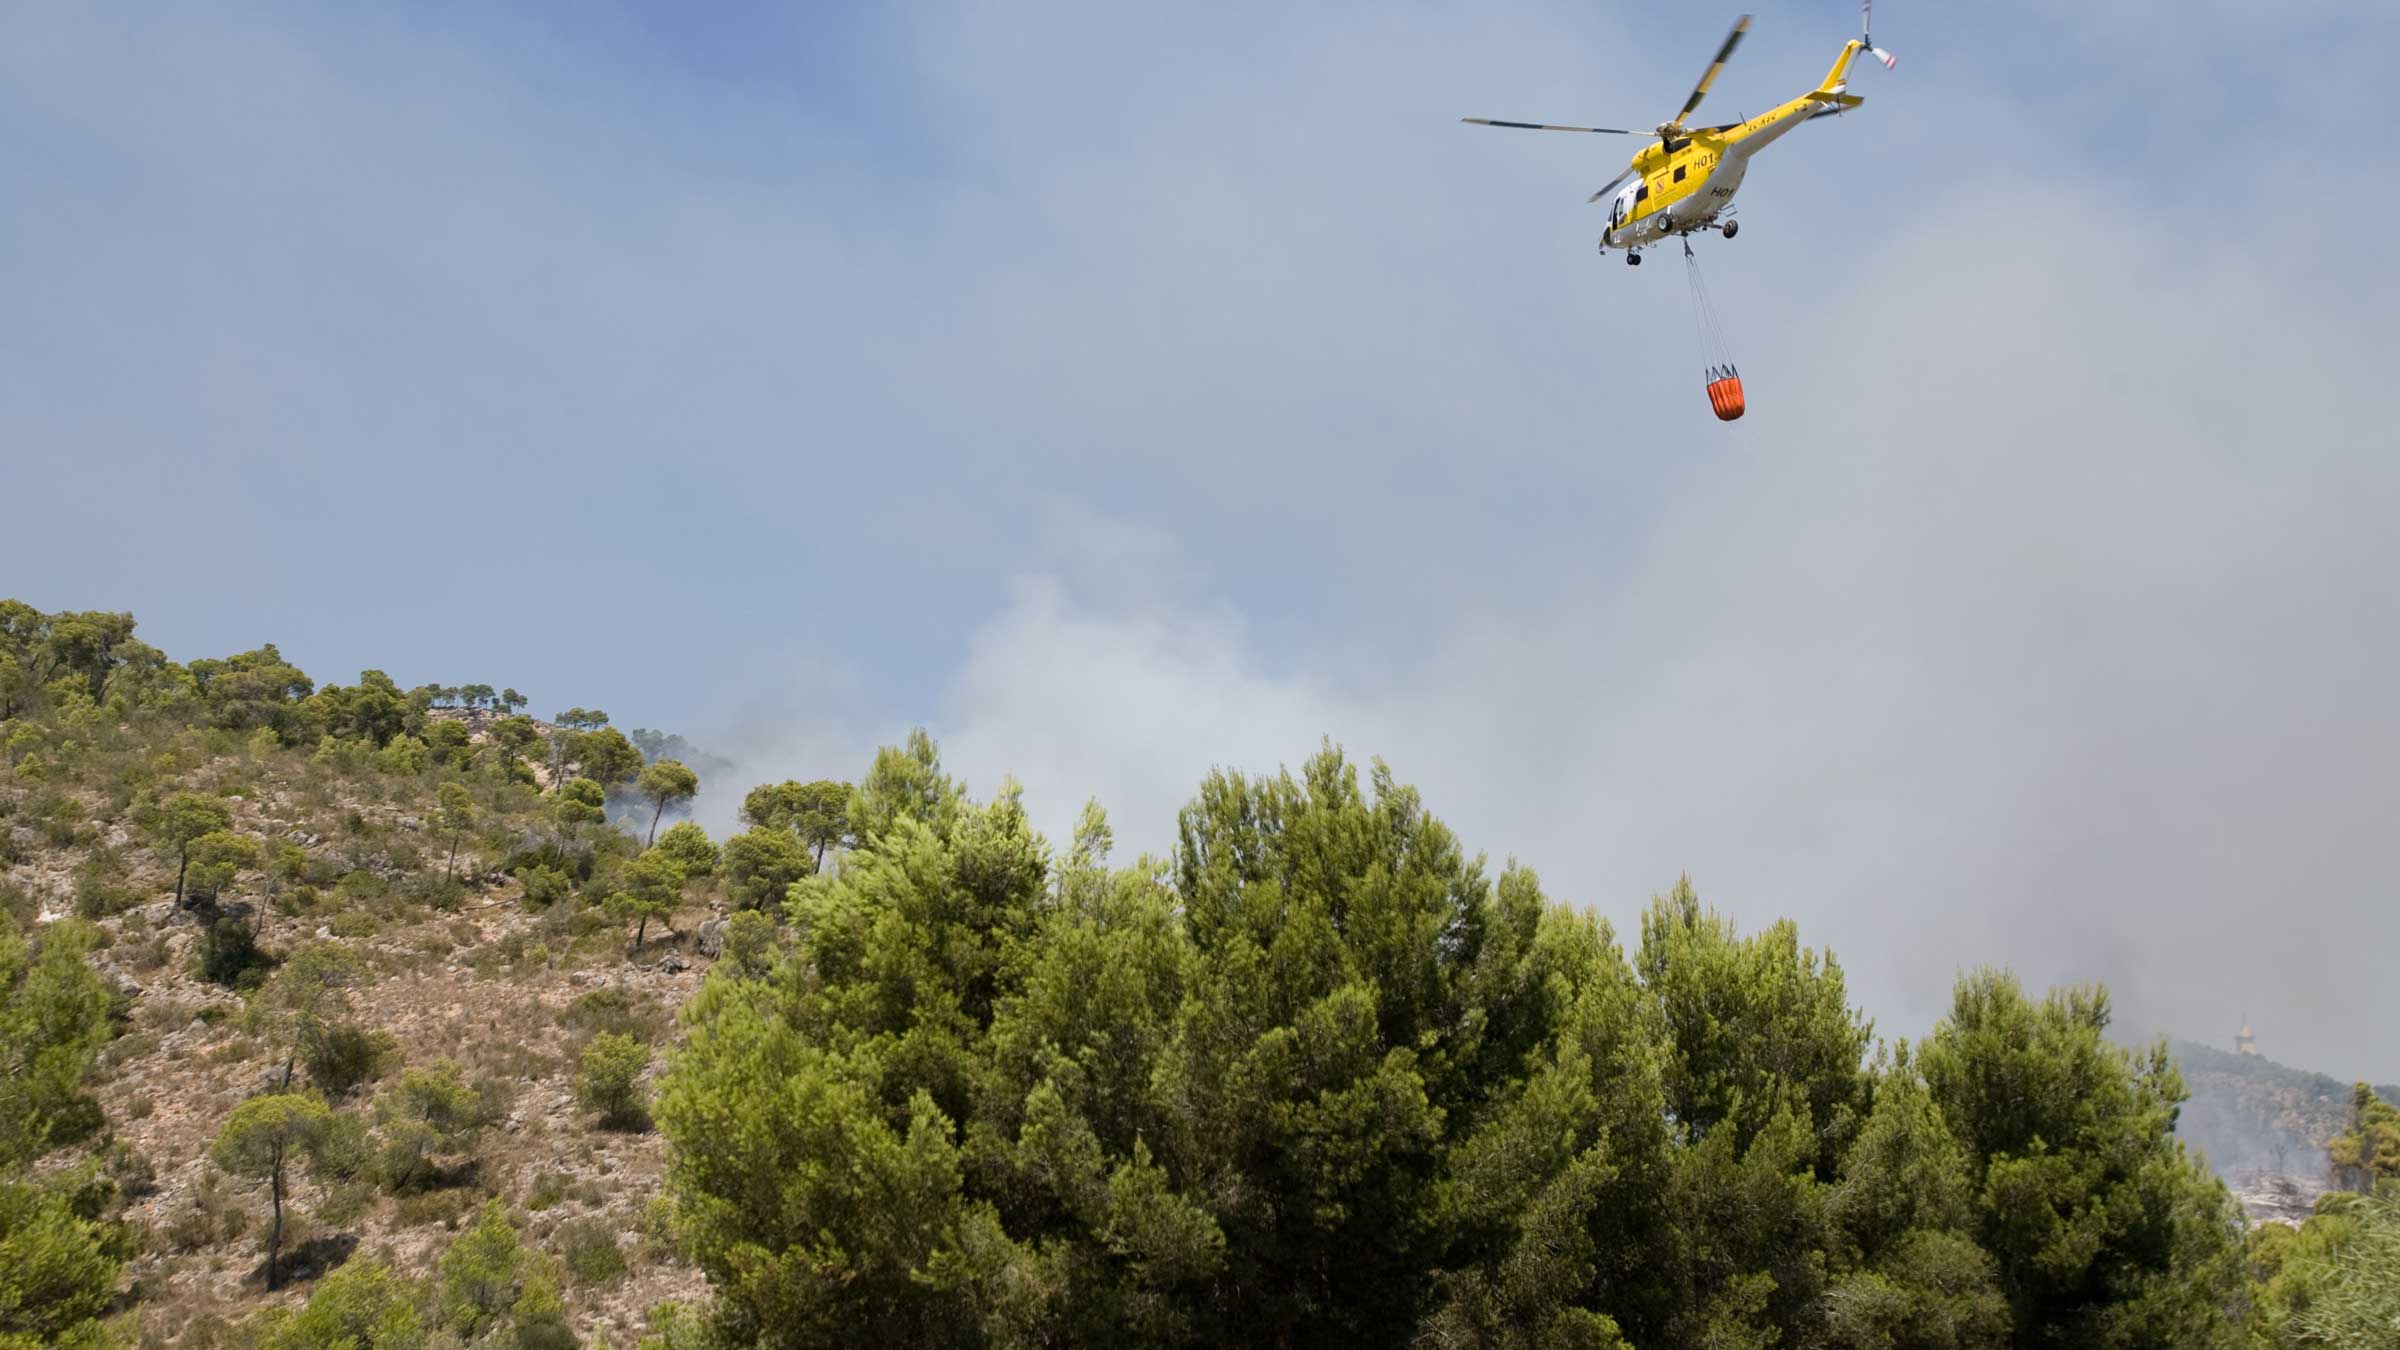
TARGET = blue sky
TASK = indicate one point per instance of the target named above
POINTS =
(1123, 390)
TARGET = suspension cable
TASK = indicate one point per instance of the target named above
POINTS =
(1716, 351)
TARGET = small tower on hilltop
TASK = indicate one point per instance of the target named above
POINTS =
(2243, 1042)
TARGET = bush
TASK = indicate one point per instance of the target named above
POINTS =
(751, 941)
(430, 1111)
(214, 1216)
(575, 863)
(361, 1305)
(548, 1190)
(62, 1268)
(544, 886)
(131, 1169)
(610, 1079)
(148, 954)
(483, 1277)
(99, 892)
(359, 886)
(689, 845)
(403, 754)
(287, 862)
(230, 955)
(616, 1009)
(348, 1055)
(346, 1151)
(420, 1208)
(589, 1248)
(435, 891)
(17, 903)
(406, 1157)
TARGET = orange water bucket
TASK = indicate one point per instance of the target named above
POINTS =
(1725, 393)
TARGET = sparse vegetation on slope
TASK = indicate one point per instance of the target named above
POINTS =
(330, 952)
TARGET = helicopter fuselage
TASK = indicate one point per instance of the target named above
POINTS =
(1687, 183)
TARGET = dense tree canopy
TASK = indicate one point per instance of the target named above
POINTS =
(1320, 1080)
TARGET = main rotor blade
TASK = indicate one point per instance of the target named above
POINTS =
(1541, 126)
(1709, 77)
(1612, 185)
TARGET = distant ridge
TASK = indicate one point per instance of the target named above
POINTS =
(2248, 1112)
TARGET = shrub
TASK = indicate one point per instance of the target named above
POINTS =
(406, 1156)
(750, 942)
(547, 1190)
(689, 845)
(445, 1207)
(610, 1079)
(435, 891)
(347, 1055)
(430, 1111)
(619, 1010)
(100, 893)
(544, 886)
(346, 1151)
(62, 1269)
(342, 1204)
(589, 1248)
(362, 1305)
(130, 1169)
(403, 754)
(213, 1216)
(148, 954)
(287, 862)
(358, 886)
(230, 955)
(16, 902)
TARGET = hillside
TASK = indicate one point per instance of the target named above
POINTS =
(376, 896)
(370, 1018)
(2249, 1113)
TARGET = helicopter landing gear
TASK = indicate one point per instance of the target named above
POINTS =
(1732, 227)
(1633, 260)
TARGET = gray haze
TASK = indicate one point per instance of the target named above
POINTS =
(1121, 393)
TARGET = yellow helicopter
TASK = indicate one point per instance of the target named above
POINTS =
(1687, 180)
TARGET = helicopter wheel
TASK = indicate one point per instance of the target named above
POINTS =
(1732, 227)
(1633, 260)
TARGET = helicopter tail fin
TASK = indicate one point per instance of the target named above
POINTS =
(1838, 78)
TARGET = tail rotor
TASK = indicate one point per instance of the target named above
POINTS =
(1866, 36)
